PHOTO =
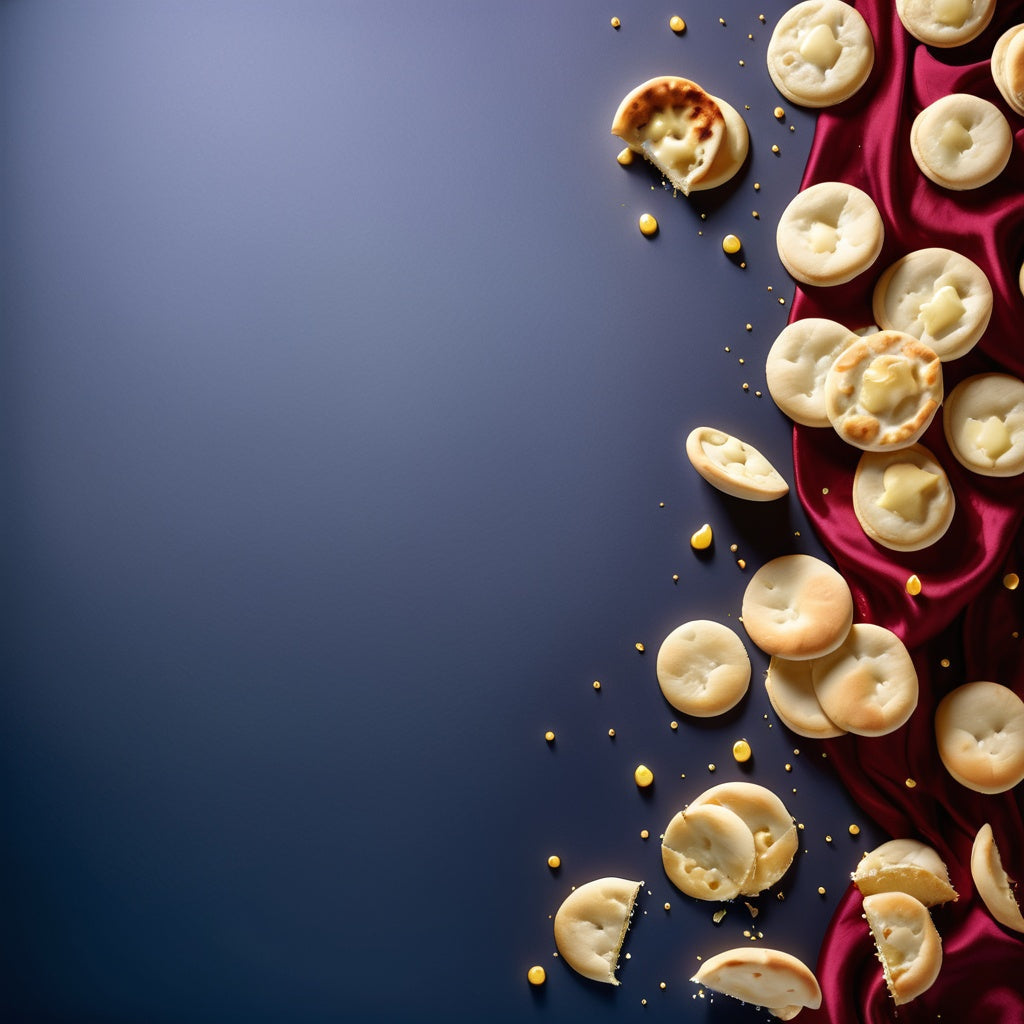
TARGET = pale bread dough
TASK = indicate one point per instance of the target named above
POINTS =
(945, 23)
(903, 499)
(979, 730)
(829, 233)
(1008, 67)
(703, 668)
(792, 695)
(733, 466)
(798, 607)
(868, 685)
(708, 852)
(766, 977)
(772, 826)
(731, 153)
(995, 887)
(937, 296)
(961, 141)
(883, 391)
(905, 865)
(675, 124)
(820, 53)
(591, 924)
(983, 419)
(797, 363)
(907, 941)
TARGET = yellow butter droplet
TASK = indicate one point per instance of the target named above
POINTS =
(536, 975)
(731, 244)
(549, 736)
(554, 861)
(625, 156)
(910, 783)
(668, 906)
(616, 23)
(643, 776)
(1011, 581)
(701, 539)
(914, 586)
(677, 24)
(855, 830)
(741, 751)
(597, 684)
(779, 113)
(648, 225)
(717, 916)
(644, 834)
(821, 890)
(640, 647)
(611, 734)
(673, 725)
(944, 663)
(775, 149)
(711, 767)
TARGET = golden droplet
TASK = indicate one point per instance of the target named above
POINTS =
(673, 725)
(597, 684)
(536, 975)
(554, 861)
(643, 776)
(625, 156)
(648, 224)
(1011, 581)
(910, 783)
(549, 736)
(731, 244)
(775, 149)
(821, 890)
(644, 834)
(640, 647)
(944, 663)
(741, 751)
(702, 538)
(779, 113)
(676, 23)
(855, 830)
(711, 767)
(913, 585)
(616, 23)
(611, 734)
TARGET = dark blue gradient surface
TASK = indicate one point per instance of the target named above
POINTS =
(338, 397)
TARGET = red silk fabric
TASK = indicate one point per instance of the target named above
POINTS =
(964, 614)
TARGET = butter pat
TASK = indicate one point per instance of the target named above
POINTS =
(943, 310)
(952, 12)
(823, 237)
(991, 436)
(956, 137)
(887, 382)
(906, 490)
(820, 47)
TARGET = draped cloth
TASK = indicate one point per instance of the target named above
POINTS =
(965, 625)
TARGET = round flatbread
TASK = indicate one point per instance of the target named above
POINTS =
(733, 466)
(763, 977)
(937, 296)
(903, 499)
(829, 233)
(945, 23)
(979, 729)
(961, 141)
(905, 865)
(675, 124)
(868, 685)
(983, 420)
(591, 924)
(1008, 67)
(908, 944)
(708, 852)
(798, 607)
(994, 886)
(820, 53)
(703, 668)
(883, 391)
(792, 695)
(797, 364)
(772, 826)
(731, 153)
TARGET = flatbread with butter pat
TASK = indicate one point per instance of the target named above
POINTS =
(733, 466)
(591, 925)
(676, 125)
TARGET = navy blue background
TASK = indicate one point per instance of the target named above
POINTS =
(339, 395)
